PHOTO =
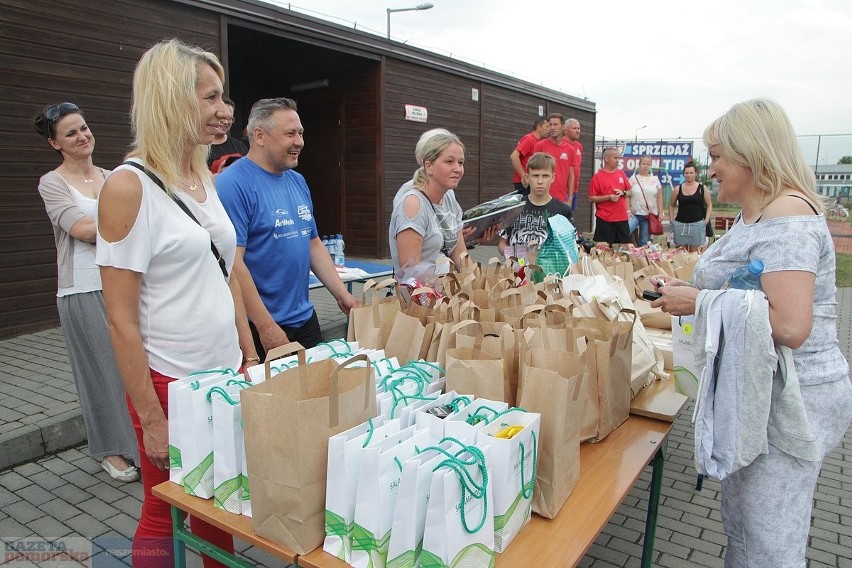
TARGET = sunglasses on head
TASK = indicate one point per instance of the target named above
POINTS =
(57, 111)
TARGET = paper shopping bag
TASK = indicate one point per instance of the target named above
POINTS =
(683, 356)
(459, 529)
(378, 485)
(551, 384)
(409, 339)
(466, 422)
(371, 322)
(512, 470)
(179, 414)
(229, 479)
(484, 375)
(344, 461)
(409, 514)
(288, 421)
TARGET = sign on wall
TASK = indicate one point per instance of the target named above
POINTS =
(416, 113)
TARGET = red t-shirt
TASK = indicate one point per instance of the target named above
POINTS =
(525, 148)
(605, 183)
(578, 159)
(564, 156)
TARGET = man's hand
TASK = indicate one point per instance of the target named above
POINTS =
(272, 336)
(525, 180)
(346, 302)
(614, 197)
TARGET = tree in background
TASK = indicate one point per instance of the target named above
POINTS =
(844, 160)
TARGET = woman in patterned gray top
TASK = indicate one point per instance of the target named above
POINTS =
(757, 163)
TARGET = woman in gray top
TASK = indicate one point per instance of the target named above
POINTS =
(70, 194)
(756, 160)
(427, 219)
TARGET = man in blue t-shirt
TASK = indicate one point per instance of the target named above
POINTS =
(277, 243)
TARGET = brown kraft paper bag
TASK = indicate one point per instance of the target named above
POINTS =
(551, 384)
(409, 339)
(473, 371)
(611, 367)
(287, 422)
(371, 322)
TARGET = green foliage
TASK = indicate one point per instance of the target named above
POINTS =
(843, 276)
(844, 160)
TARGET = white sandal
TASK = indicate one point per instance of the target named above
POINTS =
(126, 476)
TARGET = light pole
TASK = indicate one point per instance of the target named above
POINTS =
(636, 134)
(424, 6)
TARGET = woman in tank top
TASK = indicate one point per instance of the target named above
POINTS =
(694, 207)
(70, 194)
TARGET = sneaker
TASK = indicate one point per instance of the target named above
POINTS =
(122, 476)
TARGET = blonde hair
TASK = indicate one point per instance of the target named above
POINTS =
(424, 138)
(432, 149)
(757, 134)
(164, 117)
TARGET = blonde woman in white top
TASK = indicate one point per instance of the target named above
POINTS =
(646, 195)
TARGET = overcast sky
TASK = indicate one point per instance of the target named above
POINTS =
(671, 65)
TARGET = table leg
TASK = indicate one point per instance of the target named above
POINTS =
(658, 464)
(177, 530)
(182, 537)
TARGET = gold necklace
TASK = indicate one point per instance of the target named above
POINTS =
(190, 186)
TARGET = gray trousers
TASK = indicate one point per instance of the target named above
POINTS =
(99, 385)
(766, 506)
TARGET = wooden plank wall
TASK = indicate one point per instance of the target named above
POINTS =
(66, 50)
(489, 128)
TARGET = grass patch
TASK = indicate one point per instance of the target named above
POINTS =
(844, 270)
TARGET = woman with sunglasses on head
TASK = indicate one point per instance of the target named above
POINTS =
(166, 248)
(70, 193)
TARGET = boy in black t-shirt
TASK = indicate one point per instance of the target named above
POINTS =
(530, 228)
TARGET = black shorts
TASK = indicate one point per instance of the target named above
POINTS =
(612, 232)
(309, 334)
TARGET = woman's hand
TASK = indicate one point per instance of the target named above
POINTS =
(677, 299)
(155, 437)
(661, 280)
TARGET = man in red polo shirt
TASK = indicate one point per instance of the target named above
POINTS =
(562, 152)
(522, 153)
(572, 135)
(609, 190)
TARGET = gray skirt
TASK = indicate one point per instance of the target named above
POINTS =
(99, 385)
(689, 234)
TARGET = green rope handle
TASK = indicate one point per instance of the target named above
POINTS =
(524, 492)
(454, 404)
(477, 491)
(406, 374)
(418, 364)
(451, 456)
(390, 366)
(369, 433)
(405, 398)
(223, 393)
(476, 415)
(235, 382)
(398, 463)
(335, 351)
(226, 371)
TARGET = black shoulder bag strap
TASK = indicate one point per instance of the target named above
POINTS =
(186, 210)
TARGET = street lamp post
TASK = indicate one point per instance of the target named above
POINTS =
(424, 6)
(636, 134)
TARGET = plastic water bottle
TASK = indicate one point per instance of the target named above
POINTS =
(747, 277)
(339, 245)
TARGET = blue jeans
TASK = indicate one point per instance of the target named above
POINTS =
(640, 221)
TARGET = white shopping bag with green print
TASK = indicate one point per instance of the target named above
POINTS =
(459, 527)
(378, 484)
(344, 462)
(178, 414)
(229, 478)
(683, 356)
(196, 437)
(512, 440)
(409, 514)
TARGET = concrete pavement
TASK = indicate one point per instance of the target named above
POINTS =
(51, 491)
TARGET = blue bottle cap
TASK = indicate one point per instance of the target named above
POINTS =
(755, 266)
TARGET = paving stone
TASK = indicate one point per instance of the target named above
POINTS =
(48, 527)
(56, 466)
(698, 544)
(11, 528)
(97, 508)
(81, 479)
(48, 480)
(35, 495)
(699, 558)
(23, 512)
(107, 493)
(86, 525)
(72, 493)
(59, 509)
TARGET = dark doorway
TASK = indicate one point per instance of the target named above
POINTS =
(320, 161)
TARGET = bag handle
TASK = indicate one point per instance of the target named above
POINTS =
(334, 389)
(282, 351)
